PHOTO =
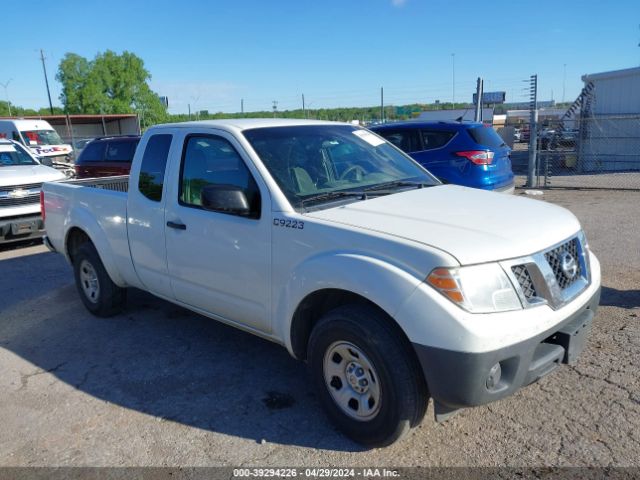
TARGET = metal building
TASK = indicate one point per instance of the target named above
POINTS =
(610, 122)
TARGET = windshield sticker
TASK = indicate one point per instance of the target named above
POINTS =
(368, 137)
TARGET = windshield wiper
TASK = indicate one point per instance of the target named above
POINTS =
(333, 195)
(398, 183)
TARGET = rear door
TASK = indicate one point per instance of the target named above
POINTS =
(145, 211)
(434, 155)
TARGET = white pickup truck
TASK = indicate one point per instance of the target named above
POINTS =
(21, 178)
(328, 240)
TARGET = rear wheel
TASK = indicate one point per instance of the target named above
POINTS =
(365, 375)
(99, 294)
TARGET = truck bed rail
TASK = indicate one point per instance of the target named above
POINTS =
(118, 183)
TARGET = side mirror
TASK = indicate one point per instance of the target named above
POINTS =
(46, 161)
(226, 199)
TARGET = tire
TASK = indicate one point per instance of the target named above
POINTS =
(99, 294)
(394, 388)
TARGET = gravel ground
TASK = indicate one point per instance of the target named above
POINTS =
(161, 386)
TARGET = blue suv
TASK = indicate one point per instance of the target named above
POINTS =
(464, 153)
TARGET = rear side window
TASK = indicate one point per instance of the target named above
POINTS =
(405, 140)
(120, 151)
(154, 164)
(436, 138)
(93, 152)
(486, 136)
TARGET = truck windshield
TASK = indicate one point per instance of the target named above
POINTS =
(316, 162)
(41, 137)
(12, 155)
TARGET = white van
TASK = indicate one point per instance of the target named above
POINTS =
(39, 137)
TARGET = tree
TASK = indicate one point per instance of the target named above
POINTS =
(110, 83)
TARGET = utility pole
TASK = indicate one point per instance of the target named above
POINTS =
(453, 80)
(564, 79)
(533, 130)
(46, 81)
(275, 108)
(6, 94)
(381, 105)
(189, 107)
(242, 106)
(304, 110)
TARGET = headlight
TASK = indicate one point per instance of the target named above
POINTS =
(478, 289)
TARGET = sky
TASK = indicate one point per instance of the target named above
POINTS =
(211, 54)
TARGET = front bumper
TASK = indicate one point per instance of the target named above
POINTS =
(19, 228)
(460, 379)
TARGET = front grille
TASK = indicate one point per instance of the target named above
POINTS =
(16, 202)
(27, 186)
(524, 279)
(564, 254)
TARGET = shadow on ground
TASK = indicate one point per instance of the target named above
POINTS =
(159, 359)
(611, 297)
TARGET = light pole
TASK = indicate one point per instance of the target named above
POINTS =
(453, 78)
(6, 94)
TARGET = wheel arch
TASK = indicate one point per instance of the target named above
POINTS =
(316, 304)
(77, 236)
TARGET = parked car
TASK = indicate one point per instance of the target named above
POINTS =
(552, 138)
(463, 153)
(21, 177)
(328, 240)
(106, 156)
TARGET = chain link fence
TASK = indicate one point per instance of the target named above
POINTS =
(593, 152)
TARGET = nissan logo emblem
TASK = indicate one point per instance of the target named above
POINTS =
(568, 265)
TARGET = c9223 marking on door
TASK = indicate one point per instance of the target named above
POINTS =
(281, 222)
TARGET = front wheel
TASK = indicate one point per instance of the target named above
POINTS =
(99, 294)
(366, 376)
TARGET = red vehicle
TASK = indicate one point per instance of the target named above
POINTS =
(107, 156)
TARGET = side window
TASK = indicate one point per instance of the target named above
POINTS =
(16, 137)
(154, 164)
(210, 160)
(93, 152)
(120, 151)
(436, 138)
(405, 140)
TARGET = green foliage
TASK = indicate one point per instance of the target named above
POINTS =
(26, 112)
(343, 114)
(110, 83)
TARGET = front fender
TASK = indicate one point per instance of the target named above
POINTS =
(85, 221)
(380, 282)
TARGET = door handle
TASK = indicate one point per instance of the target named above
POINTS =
(177, 226)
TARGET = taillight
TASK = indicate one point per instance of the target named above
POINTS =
(42, 211)
(479, 157)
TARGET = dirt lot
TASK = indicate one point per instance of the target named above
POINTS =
(159, 385)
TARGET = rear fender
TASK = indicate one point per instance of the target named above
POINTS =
(83, 220)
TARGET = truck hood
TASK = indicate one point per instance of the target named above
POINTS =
(473, 225)
(26, 174)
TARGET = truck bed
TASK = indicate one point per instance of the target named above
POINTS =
(99, 207)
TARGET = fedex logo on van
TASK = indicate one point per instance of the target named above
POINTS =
(52, 150)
